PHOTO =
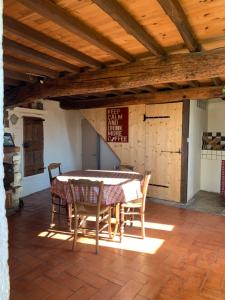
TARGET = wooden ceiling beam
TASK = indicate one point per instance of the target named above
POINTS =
(19, 49)
(193, 83)
(172, 86)
(20, 65)
(217, 81)
(176, 13)
(201, 93)
(46, 41)
(18, 76)
(12, 82)
(179, 67)
(73, 24)
(115, 10)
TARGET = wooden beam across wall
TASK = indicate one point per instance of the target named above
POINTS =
(46, 41)
(201, 93)
(18, 76)
(176, 13)
(19, 49)
(115, 10)
(27, 67)
(73, 24)
(11, 82)
(179, 67)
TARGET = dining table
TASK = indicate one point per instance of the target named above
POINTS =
(119, 187)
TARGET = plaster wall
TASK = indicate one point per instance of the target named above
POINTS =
(108, 160)
(62, 141)
(211, 165)
(197, 125)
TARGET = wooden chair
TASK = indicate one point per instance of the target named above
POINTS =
(87, 197)
(125, 168)
(57, 202)
(136, 207)
(51, 167)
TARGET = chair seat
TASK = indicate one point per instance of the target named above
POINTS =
(90, 211)
(137, 203)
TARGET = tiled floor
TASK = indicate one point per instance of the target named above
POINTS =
(182, 258)
(208, 202)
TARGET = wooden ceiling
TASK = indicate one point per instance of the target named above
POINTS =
(79, 52)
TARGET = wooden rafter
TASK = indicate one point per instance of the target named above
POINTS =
(122, 16)
(18, 76)
(193, 83)
(20, 65)
(176, 13)
(19, 49)
(179, 67)
(73, 24)
(33, 35)
(201, 93)
(172, 85)
(217, 81)
(11, 82)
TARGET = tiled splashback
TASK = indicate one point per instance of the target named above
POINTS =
(213, 154)
(213, 141)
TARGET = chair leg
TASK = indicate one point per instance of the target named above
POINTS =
(52, 213)
(97, 234)
(75, 231)
(131, 217)
(143, 225)
(121, 222)
(69, 216)
(59, 210)
(109, 223)
(117, 216)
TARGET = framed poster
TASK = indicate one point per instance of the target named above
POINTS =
(117, 124)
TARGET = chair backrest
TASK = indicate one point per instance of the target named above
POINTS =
(147, 178)
(125, 168)
(51, 167)
(86, 193)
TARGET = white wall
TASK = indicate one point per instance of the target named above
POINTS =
(4, 270)
(211, 168)
(216, 116)
(62, 143)
(197, 125)
(108, 160)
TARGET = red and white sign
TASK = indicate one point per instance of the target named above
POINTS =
(117, 124)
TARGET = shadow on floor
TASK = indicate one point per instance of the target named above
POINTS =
(203, 201)
(208, 202)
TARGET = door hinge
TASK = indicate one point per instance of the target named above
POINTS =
(155, 117)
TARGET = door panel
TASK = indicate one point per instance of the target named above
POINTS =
(33, 146)
(90, 146)
(163, 149)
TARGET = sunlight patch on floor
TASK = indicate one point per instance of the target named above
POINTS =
(147, 245)
(130, 243)
(151, 225)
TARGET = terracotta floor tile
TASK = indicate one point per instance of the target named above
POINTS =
(61, 294)
(128, 291)
(92, 279)
(83, 293)
(106, 292)
(189, 264)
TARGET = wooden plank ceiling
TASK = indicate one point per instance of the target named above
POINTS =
(101, 53)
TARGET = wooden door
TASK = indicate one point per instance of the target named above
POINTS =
(90, 146)
(33, 146)
(163, 150)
